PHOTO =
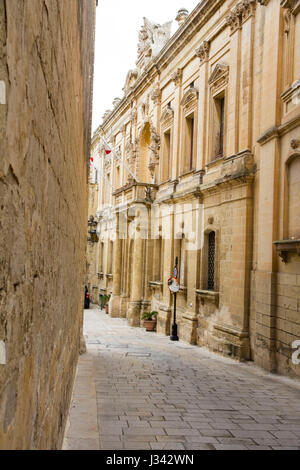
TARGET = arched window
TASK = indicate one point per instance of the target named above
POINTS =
(211, 261)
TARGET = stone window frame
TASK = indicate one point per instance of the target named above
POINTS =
(166, 125)
(204, 260)
(163, 179)
(286, 192)
(218, 87)
(189, 104)
(290, 9)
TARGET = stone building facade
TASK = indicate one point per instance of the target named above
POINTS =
(46, 74)
(206, 168)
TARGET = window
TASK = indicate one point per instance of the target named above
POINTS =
(219, 126)
(118, 178)
(108, 188)
(189, 140)
(211, 261)
(158, 260)
(111, 257)
(101, 256)
(166, 163)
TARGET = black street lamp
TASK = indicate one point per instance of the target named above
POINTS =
(174, 287)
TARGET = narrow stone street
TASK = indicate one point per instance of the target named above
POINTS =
(136, 390)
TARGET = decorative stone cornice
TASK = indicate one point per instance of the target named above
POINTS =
(242, 11)
(190, 98)
(279, 131)
(167, 116)
(219, 77)
(203, 51)
(177, 77)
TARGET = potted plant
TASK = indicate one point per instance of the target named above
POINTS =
(150, 320)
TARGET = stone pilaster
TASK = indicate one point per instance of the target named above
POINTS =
(203, 53)
(114, 306)
(177, 79)
(134, 307)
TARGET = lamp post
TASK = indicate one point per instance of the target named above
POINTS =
(174, 287)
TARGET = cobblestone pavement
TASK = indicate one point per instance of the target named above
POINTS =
(137, 390)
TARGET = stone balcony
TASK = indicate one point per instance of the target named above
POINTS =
(237, 168)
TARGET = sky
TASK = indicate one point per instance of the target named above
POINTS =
(117, 28)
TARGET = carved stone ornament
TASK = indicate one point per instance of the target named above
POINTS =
(107, 162)
(177, 77)
(133, 115)
(295, 143)
(156, 95)
(190, 98)
(154, 150)
(130, 80)
(131, 153)
(219, 77)
(152, 38)
(203, 51)
(106, 114)
(242, 11)
(167, 116)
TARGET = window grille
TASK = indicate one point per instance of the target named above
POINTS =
(211, 260)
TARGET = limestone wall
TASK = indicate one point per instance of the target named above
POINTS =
(46, 61)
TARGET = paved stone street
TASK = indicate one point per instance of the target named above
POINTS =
(137, 390)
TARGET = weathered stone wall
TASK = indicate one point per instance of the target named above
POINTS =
(46, 61)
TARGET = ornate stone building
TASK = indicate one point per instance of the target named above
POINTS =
(207, 168)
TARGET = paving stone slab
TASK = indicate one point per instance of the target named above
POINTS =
(136, 384)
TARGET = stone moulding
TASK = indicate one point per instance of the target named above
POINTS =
(167, 117)
(240, 165)
(219, 78)
(290, 94)
(236, 169)
(284, 247)
(208, 295)
(278, 131)
(156, 285)
(190, 98)
(231, 330)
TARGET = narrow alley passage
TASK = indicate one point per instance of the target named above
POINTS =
(136, 390)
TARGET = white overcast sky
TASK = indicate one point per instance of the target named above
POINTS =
(117, 28)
